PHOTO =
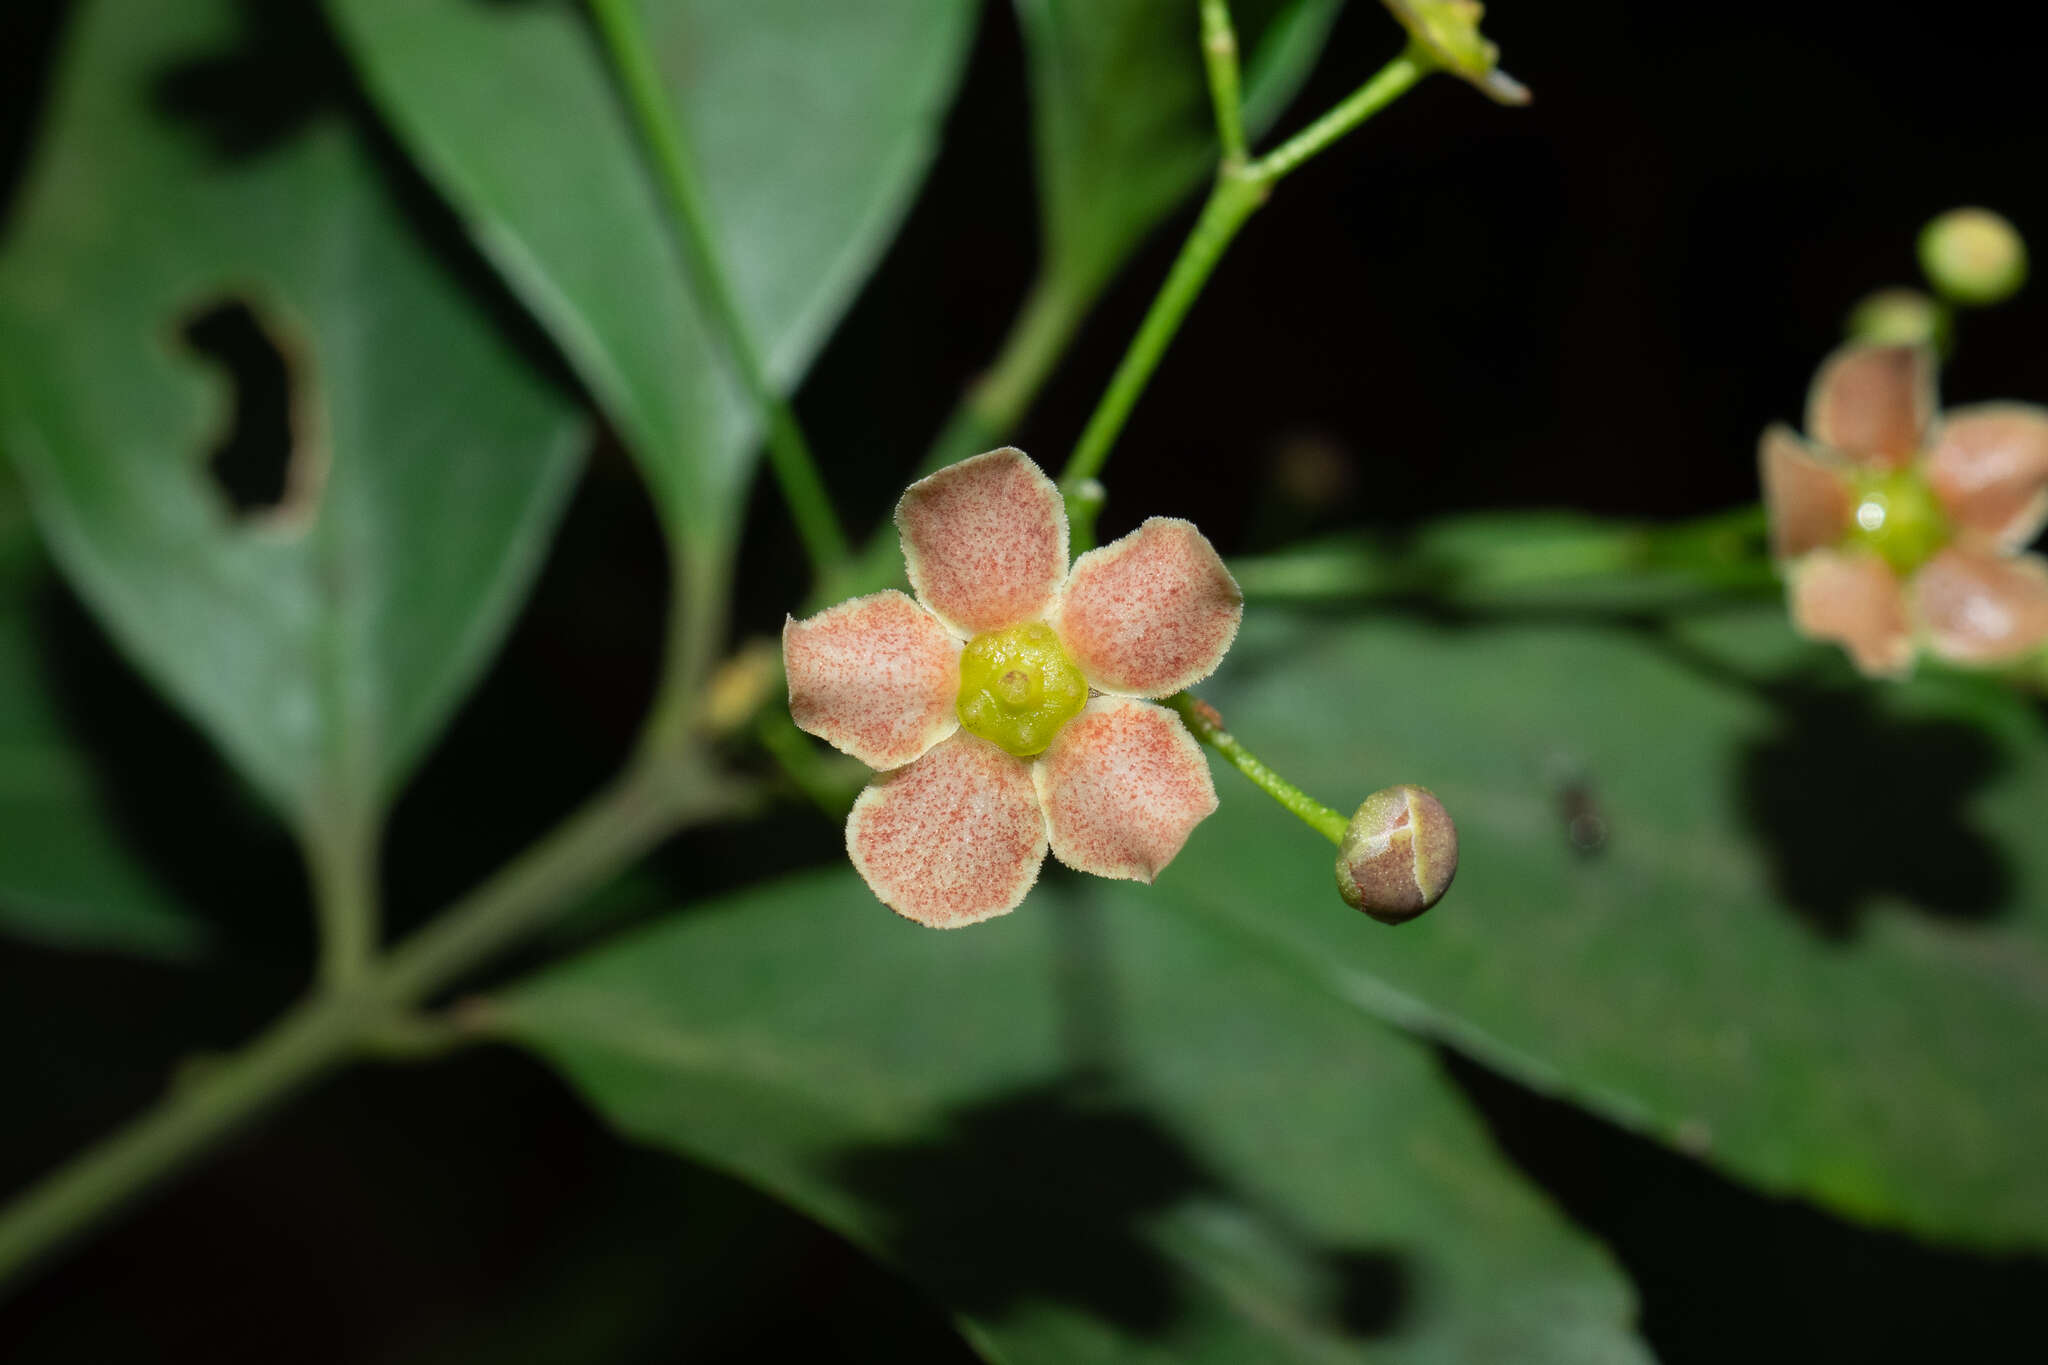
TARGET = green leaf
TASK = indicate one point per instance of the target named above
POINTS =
(199, 155)
(65, 877)
(1710, 885)
(1096, 1129)
(813, 125)
(1121, 110)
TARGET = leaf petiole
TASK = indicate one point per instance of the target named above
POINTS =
(661, 128)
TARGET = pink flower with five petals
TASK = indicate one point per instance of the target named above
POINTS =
(1899, 530)
(1006, 707)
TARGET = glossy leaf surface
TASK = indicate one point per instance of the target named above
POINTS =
(1095, 1129)
(1710, 885)
(66, 876)
(212, 266)
(812, 125)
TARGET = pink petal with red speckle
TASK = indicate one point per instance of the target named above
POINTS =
(955, 838)
(1854, 599)
(1873, 403)
(1982, 608)
(1809, 499)
(1123, 786)
(1989, 466)
(876, 677)
(1150, 614)
(985, 541)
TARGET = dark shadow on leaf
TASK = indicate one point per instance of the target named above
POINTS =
(1853, 801)
(1726, 1273)
(1854, 806)
(256, 95)
(169, 796)
(285, 71)
(1856, 802)
(1044, 1195)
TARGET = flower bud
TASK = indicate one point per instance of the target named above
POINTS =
(1899, 317)
(1448, 30)
(1973, 256)
(1398, 855)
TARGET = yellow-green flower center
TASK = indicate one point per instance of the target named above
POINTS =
(1898, 516)
(1018, 687)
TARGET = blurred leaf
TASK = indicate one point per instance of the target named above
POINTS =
(813, 125)
(1522, 557)
(1095, 1129)
(1710, 885)
(1121, 106)
(197, 171)
(65, 877)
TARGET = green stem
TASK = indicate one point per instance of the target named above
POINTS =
(987, 414)
(1392, 81)
(696, 632)
(1219, 55)
(341, 864)
(651, 802)
(661, 128)
(804, 765)
(1238, 192)
(1236, 195)
(997, 401)
(306, 1042)
(1205, 725)
(332, 1027)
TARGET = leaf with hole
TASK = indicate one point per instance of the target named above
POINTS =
(812, 125)
(1709, 885)
(271, 419)
(1120, 109)
(66, 875)
(1095, 1129)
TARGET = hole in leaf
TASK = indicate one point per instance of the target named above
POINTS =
(259, 462)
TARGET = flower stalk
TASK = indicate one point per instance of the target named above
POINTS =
(1206, 725)
(1241, 188)
(661, 129)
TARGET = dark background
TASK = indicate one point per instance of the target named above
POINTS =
(1596, 302)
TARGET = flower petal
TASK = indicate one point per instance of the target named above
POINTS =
(955, 838)
(1873, 403)
(1123, 786)
(1989, 466)
(1854, 599)
(985, 541)
(1980, 608)
(876, 677)
(1152, 613)
(1809, 499)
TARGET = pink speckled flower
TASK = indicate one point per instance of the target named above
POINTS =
(1899, 531)
(1004, 707)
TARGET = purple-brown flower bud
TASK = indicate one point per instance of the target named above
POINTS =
(1398, 855)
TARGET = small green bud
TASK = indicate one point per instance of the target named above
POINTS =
(1974, 257)
(1448, 30)
(1398, 855)
(1899, 317)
